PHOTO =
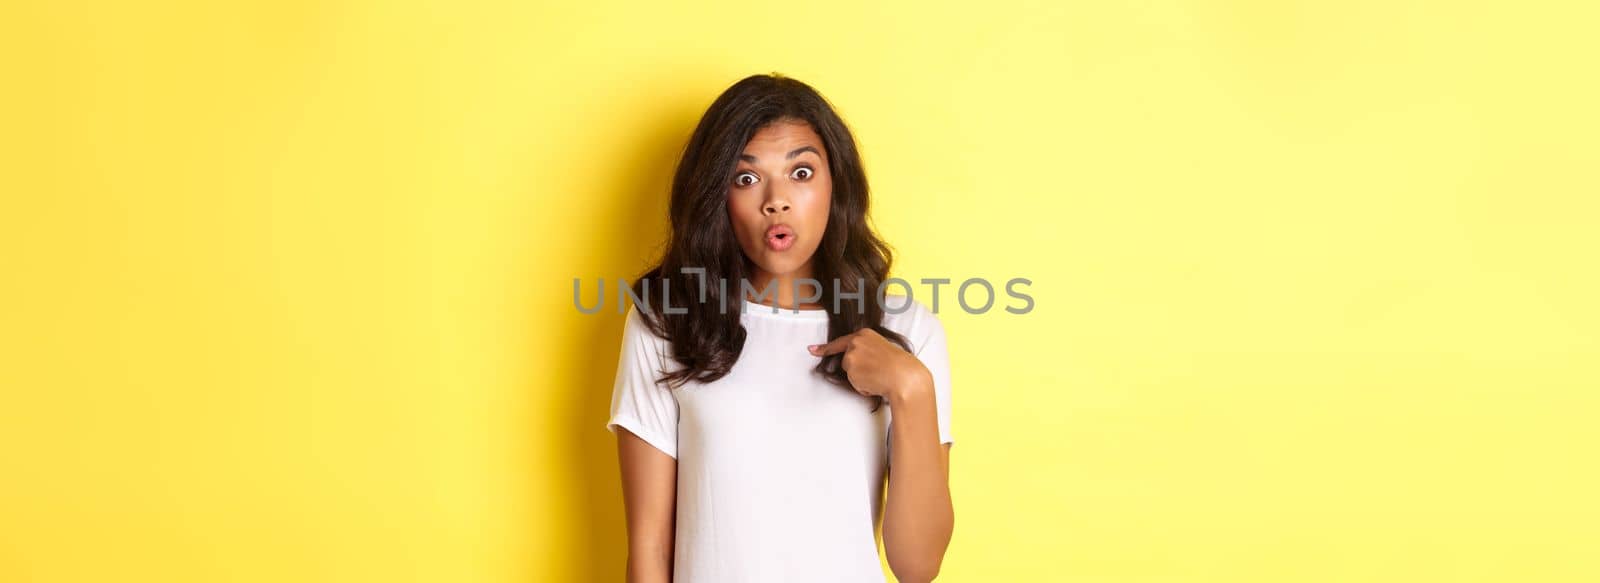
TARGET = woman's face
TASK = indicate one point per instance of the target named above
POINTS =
(779, 199)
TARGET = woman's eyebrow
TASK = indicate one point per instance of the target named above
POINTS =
(790, 156)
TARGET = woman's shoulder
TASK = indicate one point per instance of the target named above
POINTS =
(911, 318)
(642, 327)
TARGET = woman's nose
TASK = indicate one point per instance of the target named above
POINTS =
(775, 206)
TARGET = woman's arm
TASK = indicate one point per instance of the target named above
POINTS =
(650, 495)
(919, 517)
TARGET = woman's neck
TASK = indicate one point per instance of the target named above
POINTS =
(784, 290)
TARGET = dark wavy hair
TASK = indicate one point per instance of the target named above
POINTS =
(708, 339)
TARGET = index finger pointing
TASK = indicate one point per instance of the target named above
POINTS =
(838, 345)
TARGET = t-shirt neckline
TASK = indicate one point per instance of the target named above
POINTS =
(766, 310)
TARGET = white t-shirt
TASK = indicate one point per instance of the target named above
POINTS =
(780, 474)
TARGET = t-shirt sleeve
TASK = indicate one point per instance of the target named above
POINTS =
(639, 403)
(936, 356)
(928, 344)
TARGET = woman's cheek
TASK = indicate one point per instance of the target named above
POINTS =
(746, 219)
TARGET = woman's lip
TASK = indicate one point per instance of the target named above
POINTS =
(776, 243)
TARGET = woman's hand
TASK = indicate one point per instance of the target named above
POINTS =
(876, 366)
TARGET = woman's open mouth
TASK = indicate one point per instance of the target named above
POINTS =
(780, 237)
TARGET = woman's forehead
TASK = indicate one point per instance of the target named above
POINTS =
(782, 138)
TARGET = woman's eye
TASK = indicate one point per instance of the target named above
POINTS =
(745, 179)
(801, 173)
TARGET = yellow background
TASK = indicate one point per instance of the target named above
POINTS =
(287, 285)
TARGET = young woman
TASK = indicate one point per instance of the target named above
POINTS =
(755, 442)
